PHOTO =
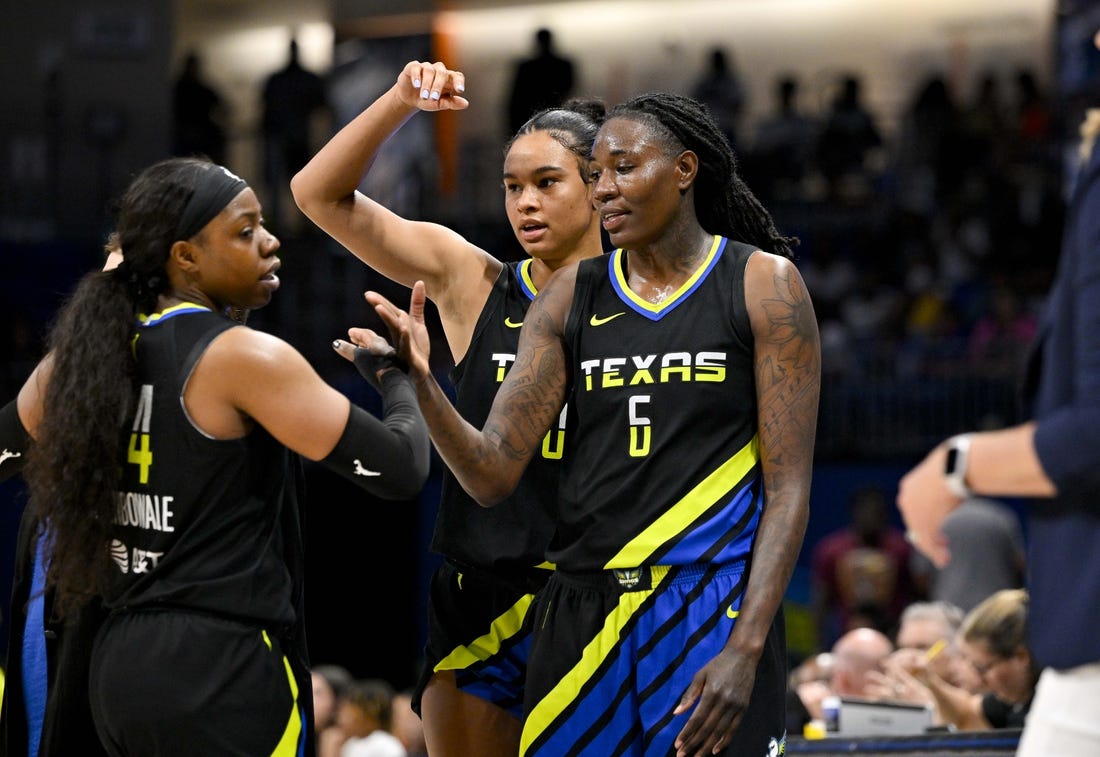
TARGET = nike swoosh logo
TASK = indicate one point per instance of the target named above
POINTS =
(512, 325)
(732, 613)
(597, 321)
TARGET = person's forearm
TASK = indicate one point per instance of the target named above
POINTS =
(778, 542)
(481, 467)
(337, 169)
(1004, 463)
(957, 705)
(788, 384)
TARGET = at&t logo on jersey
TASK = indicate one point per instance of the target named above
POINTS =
(133, 561)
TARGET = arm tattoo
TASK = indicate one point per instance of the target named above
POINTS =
(534, 390)
(788, 369)
(489, 462)
(788, 377)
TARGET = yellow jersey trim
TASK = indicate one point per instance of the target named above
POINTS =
(524, 271)
(624, 287)
(149, 320)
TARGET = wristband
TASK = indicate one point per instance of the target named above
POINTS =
(955, 466)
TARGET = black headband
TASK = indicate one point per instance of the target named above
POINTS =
(214, 189)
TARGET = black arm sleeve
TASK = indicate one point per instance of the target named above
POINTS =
(14, 441)
(389, 457)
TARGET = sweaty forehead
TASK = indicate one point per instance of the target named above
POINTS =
(630, 135)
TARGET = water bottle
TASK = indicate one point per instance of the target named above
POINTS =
(830, 713)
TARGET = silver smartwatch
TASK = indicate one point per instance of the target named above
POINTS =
(955, 465)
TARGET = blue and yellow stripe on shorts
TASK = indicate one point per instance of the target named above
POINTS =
(618, 696)
(627, 676)
(491, 666)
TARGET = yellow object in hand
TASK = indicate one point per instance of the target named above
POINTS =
(932, 651)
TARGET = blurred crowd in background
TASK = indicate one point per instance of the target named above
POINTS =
(927, 247)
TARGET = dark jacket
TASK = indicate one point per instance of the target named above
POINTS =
(1064, 396)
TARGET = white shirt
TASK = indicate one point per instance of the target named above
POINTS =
(378, 744)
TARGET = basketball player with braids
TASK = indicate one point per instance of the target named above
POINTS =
(470, 692)
(163, 467)
(690, 360)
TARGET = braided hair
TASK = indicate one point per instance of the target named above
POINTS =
(724, 204)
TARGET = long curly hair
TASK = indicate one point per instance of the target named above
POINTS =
(74, 469)
(724, 204)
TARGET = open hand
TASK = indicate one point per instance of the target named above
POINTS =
(408, 332)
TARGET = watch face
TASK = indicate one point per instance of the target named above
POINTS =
(952, 460)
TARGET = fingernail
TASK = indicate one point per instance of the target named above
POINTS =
(423, 94)
(416, 83)
(435, 95)
(460, 88)
(336, 344)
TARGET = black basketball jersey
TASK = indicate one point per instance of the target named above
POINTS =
(663, 461)
(516, 532)
(201, 523)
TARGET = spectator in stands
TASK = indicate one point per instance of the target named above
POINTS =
(407, 726)
(782, 153)
(983, 127)
(719, 87)
(293, 98)
(849, 667)
(544, 80)
(988, 555)
(199, 114)
(330, 685)
(1000, 337)
(365, 717)
(923, 626)
(929, 147)
(926, 639)
(1032, 109)
(855, 656)
(847, 139)
(993, 640)
(860, 573)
